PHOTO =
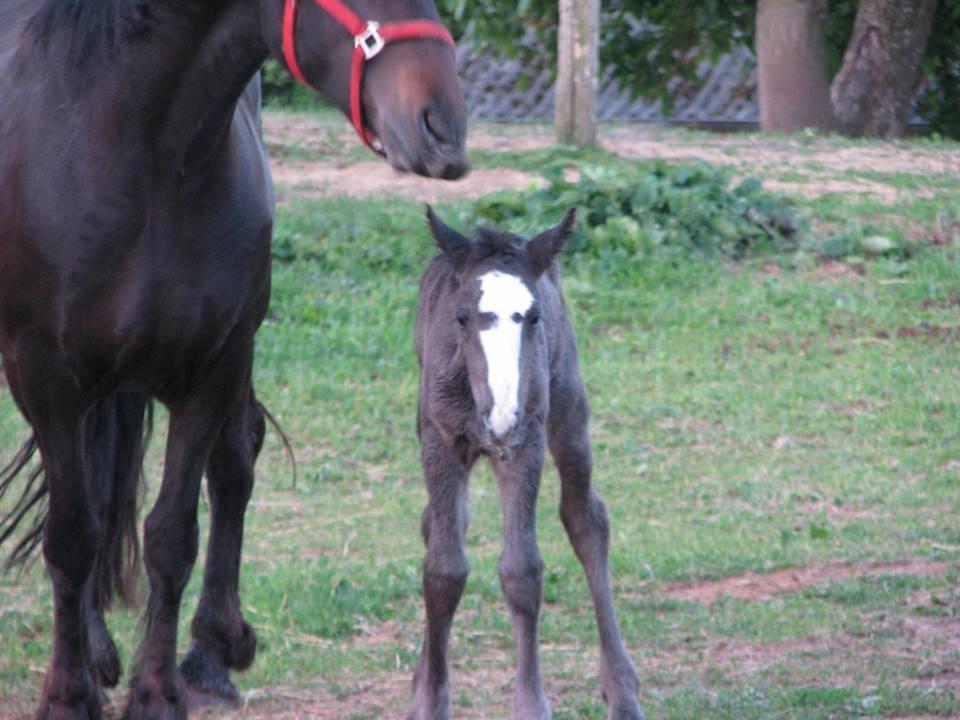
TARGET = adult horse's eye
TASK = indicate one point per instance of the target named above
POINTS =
(461, 320)
(534, 318)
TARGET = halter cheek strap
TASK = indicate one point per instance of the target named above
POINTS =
(369, 38)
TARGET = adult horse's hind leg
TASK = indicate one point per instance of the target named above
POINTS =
(521, 570)
(70, 536)
(585, 520)
(445, 572)
(171, 531)
(222, 640)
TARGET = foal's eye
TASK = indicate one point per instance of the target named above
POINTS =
(462, 320)
(534, 318)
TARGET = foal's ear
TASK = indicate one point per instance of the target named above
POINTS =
(454, 245)
(547, 245)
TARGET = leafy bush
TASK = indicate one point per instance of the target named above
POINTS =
(631, 210)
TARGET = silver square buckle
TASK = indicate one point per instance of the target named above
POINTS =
(370, 40)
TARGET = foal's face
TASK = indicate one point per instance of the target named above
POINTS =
(412, 99)
(496, 319)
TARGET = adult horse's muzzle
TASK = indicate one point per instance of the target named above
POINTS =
(414, 105)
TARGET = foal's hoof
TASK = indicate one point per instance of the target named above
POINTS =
(628, 709)
(207, 680)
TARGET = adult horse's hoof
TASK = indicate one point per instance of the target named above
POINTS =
(207, 681)
(149, 700)
(80, 710)
(70, 699)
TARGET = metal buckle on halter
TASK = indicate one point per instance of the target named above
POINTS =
(370, 40)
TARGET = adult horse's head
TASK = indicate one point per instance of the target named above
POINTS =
(389, 65)
(496, 319)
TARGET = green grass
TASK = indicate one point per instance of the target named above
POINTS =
(746, 418)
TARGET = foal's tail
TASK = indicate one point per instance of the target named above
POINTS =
(117, 431)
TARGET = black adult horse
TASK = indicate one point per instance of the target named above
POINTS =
(135, 218)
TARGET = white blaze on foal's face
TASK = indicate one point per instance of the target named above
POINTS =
(507, 299)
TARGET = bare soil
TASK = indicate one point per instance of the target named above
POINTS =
(312, 157)
(755, 586)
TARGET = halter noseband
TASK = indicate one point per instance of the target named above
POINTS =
(369, 38)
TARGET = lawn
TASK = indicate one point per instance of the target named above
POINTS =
(776, 437)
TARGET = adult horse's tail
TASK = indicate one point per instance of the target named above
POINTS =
(117, 430)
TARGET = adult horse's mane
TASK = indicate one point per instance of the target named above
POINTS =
(88, 30)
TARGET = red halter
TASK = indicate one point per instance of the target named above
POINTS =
(369, 38)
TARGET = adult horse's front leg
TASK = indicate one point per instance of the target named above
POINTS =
(584, 517)
(171, 537)
(222, 639)
(70, 537)
(521, 569)
(445, 570)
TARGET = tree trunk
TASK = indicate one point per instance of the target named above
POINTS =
(793, 85)
(876, 84)
(578, 63)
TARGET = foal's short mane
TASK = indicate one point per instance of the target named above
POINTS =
(490, 243)
(90, 29)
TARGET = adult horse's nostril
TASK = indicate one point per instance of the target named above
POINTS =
(443, 135)
(432, 128)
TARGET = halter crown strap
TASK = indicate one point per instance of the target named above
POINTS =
(369, 38)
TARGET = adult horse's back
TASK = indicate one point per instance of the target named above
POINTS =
(135, 217)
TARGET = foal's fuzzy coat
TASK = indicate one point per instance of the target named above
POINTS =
(500, 377)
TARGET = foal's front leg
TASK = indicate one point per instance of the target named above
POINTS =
(445, 570)
(521, 569)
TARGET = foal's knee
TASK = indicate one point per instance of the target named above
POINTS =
(444, 580)
(521, 579)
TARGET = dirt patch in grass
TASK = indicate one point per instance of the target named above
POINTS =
(832, 510)
(831, 271)
(927, 331)
(317, 155)
(320, 179)
(757, 150)
(386, 696)
(755, 586)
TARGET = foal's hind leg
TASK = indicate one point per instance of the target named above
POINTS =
(222, 640)
(585, 520)
(521, 570)
(445, 572)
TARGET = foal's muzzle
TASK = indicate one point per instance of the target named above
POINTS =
(502, 444)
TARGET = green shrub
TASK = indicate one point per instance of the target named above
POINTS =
(630, 210)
